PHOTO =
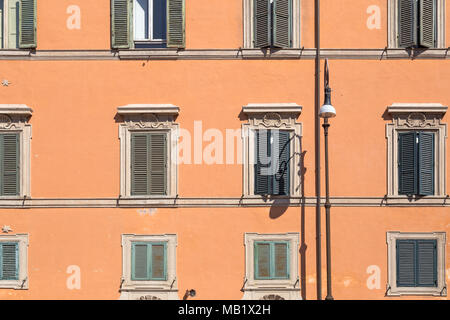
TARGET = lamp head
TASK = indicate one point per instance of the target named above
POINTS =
(327, 110)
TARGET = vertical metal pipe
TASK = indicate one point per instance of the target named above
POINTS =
(317, 151)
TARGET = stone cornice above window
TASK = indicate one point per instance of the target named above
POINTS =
(291, 109)
(15, 109)
(398, 109)
(159, 109)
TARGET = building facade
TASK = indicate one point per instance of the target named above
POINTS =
(149, 147)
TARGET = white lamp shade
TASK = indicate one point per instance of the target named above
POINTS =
(327, 111)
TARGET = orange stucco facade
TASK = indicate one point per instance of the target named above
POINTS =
(75, 150)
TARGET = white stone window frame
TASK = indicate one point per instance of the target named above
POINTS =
(249, 28)
(393, 24)
(288, 289)
(22, 282)
(14, 119)
(392, 289)
(148, 118)
(149, 290)
(271, 116)
(419, 117)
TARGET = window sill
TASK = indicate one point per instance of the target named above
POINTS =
(14, 284)
(417, 200)
(150, 53)
(397, 292)
(11, 53)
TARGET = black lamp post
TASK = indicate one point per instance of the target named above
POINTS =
(327, 111)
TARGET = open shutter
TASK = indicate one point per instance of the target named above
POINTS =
(281, 178)
(158, 261)
(406, 263)
(27, 23)
(10, 261)
(282, 23)
(158, 163)
(426, 163)
(426, 263)
(407, 163)
(263, 179)
(262, 260)
(139, 164)
(407, 23)
(281, 268)
(9, 159)
(427, 23)
(2, 45)
(176, 23)
(120, 23)
(140, 261)
(261, 23)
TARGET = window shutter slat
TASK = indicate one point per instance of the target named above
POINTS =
(262, 260)
(158, 160)
(427, 263)
(427, 23)
(2, 45)
(139, 164)
(407, 23)
(158, 261)
(262, 177)
(426, 163)
(120, 23)
(281, 181)
(9, 156)
(261, 23)
(176, 23)
(282, 24)
(281, 260)
(10, 261)
(140, 265)
(405, 263)
(407, 163)
(27, 23)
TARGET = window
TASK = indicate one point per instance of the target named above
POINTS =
(17, 24)
(416, 23)
(148, 142)
(416, 263)
(272, 23)
(149, 267)
(272, 155)
(271, 266)
(13, 261)
(416, 152)
(148, 23)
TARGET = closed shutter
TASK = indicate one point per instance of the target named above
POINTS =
(140, 263)
(262, 260)
(140, 168)
(426, 263)
(9, 164)
(27, 23)
(281, 262)
(281, 178)
(263, 180)
(282, 23)
(159, 261)
(176, 23)
(426, 163)
(262, 23)
(9, 261)
(407, 163)
(407, 23)
(406, 263)
(158, 163)
(120, 23)
(427, 23)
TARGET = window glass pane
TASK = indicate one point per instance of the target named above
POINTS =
(140, 261)
(281, 261)
(263, 260)
(159, 19)
(141, 19)
(158, 261)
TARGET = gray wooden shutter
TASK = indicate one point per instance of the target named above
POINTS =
(406, 263)
(262, 260)
(281, 178)
(9, 164)
(427, 23)
(407, 163)
(426, 163)
(282, 23)
(27, 23)
(281, 260)
(262, 23)
(10, 261)
(407, 23)
(120, 23)
(158, 163)
(426, 263)
(261, 173)
(139, 164)
(140, 261)
(176, 23)
(158, 261)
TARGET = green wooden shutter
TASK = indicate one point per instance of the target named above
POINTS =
(13, 25)
(427, 23)
(9, 261)
(176, 23)
(262, 23)
(9, 164)
(406, 257)
(282, 23)
(262, 260)
(263, 180)
(407, 23)
(407, 163)
(140, 261)
(426, 163)
(159, 261)
(158, 163)
(27, 23)
(140, 169)
(121, 13)
(281, 178)
(281, 260)
(426, 263)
